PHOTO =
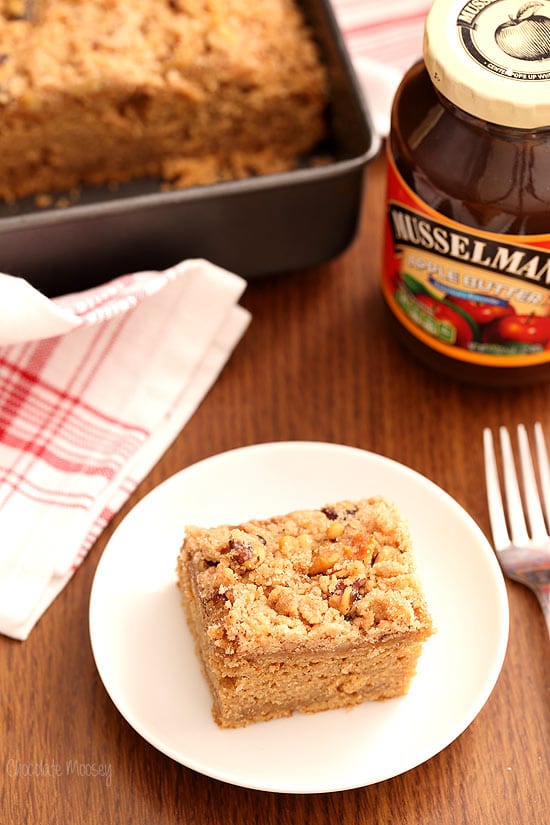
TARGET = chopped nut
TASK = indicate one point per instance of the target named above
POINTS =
(305, 541)
(323, 561)
(246, 550)
(335, 597)
(345, 600)
(335, 529)
(357, 588)
(362, 547)
(287, 545)
(240, 551)
(344, 595)
(221, 596)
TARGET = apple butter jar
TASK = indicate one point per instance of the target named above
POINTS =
(466, 270)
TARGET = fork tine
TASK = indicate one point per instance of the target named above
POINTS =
(516, 519)
(530, 489)
(499, 529)
(544, 469)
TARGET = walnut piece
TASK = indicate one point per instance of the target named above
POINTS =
(335, 529)
(323, 561)
(246, 550)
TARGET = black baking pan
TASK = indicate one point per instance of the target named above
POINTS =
(258, 226)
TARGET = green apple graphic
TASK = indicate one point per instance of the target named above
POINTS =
(527, 35)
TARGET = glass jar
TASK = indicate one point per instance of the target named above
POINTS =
(466, 269)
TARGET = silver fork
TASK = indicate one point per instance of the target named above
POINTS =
(522, 547)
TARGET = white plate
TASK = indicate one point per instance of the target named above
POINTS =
(145, 655)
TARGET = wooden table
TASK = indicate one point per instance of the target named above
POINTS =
(318, 362)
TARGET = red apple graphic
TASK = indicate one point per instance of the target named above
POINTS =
(527, 35)
(524, 329)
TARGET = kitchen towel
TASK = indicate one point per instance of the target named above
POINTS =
(93, 389)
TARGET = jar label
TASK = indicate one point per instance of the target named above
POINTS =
(475, 296)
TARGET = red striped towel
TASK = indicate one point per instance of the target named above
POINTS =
(86, 411)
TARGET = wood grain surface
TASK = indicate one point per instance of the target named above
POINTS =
(318, 362)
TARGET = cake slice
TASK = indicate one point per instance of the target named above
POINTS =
(308, 611)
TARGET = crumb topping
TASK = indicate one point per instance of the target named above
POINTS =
(87, 39)
(341, 572)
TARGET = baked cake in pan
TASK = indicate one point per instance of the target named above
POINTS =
(188, 91)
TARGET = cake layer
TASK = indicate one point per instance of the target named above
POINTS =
(191, 91)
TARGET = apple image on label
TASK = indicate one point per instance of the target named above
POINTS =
(527, 35)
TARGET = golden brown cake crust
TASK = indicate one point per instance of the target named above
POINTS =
(189, 90)
(327, 596)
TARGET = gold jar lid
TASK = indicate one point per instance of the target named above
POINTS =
(491, 58)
